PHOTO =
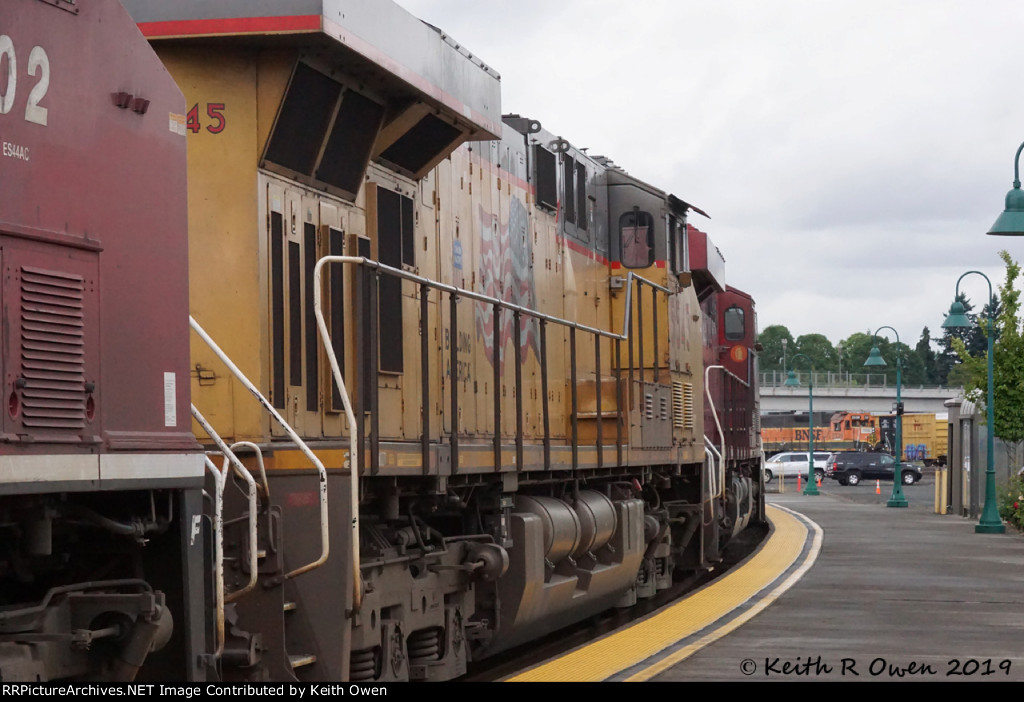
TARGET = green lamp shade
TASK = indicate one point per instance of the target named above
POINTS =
(791, 381)
(1011, 221)
(875, 358)
(957, 316)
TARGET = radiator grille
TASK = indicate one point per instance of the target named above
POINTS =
(682, 406)
(52, 350)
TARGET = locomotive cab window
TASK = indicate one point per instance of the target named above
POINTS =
(636, 232)
(735, 326)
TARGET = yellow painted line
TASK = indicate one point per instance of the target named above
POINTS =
(612, 654)
(712, 636)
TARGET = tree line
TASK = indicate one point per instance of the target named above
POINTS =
(932, 361)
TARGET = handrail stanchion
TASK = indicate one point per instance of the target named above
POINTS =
(218, 555)
(243, 472)
(455, 295)
(241, 377)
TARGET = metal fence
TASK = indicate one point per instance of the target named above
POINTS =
(832, 379)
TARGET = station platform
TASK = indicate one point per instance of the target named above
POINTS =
(844, 588)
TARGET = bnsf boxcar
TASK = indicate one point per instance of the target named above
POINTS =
(100, 474)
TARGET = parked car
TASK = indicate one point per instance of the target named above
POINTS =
(793, 463)
(851, 468)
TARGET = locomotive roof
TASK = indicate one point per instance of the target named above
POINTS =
(386, 38)
(706, 262)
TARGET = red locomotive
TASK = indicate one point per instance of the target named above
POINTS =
(100, 474)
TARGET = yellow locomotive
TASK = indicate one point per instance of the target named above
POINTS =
(514, 343)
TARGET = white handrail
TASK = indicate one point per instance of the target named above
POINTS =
(714, 413)
(325, 338)
(324, 536)
(354, 440)
(709, 448)
(218, 554)
(259, 460)
(243, 472)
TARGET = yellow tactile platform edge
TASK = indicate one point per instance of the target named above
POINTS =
(642, 641)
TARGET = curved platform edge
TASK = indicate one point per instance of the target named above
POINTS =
(654, 644)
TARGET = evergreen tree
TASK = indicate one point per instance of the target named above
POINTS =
(973, 340)
(928, 359)
(1008, 363)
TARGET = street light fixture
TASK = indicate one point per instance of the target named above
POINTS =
(792, 381)
(990, 522)
(784, 364)
(897, 499)
(1011, 221)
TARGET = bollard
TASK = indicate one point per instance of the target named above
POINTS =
(941, 475)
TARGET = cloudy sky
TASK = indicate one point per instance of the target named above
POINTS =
(851, 153)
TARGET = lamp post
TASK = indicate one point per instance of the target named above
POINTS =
(897, 499)
(990, 522)
(791, 381)
(784, 364)
(1011, 221)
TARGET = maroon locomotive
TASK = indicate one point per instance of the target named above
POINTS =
(100, 474)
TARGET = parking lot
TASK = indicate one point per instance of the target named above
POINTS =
(921, 495)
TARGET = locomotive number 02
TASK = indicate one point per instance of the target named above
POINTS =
(38, 65)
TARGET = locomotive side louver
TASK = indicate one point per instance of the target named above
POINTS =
(52, 350)
(682, 406)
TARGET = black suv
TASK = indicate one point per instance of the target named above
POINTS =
(851, 468)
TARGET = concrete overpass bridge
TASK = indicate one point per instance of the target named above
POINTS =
(851, 392)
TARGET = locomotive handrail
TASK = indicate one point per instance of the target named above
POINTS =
(460, 292)
(627, 312)
(455, 292)
(259, 460)
(709, 448)
(714, 413)
(243, 472)
(324, 536)
(218, 554)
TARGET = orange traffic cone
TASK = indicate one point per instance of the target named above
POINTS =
(878, 487)
(819, 481)
(798, 476)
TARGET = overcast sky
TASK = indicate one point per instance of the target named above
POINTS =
(851, 154)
